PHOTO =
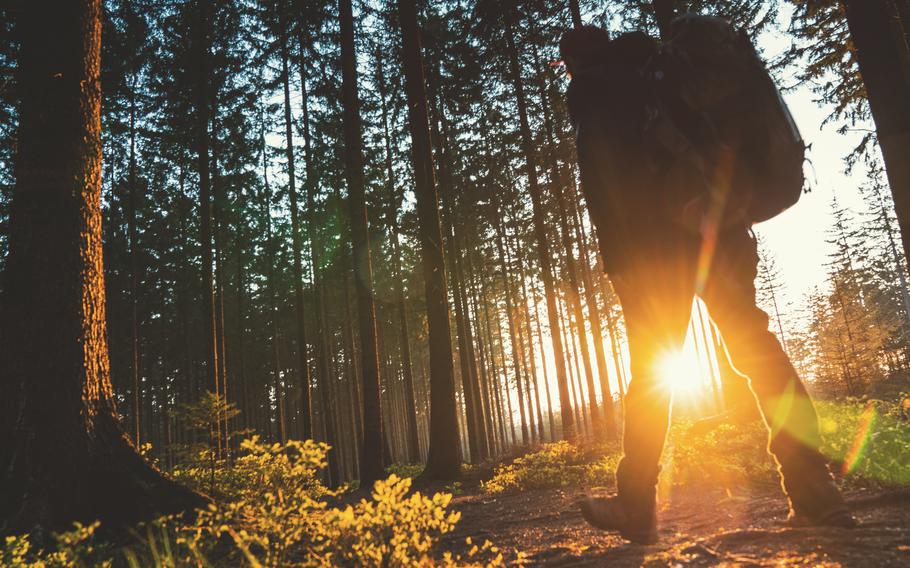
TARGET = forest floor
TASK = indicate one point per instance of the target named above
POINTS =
(698, 527)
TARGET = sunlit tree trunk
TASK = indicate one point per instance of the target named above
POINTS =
(533, 300)
(497, 430)
(569, 339)
(65, 456)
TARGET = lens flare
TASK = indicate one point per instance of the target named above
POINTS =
(861, 440)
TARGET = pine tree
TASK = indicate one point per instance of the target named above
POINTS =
(65, 455)
(442, 461)
(371, 462)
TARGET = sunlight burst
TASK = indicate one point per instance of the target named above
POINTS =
(680, 372)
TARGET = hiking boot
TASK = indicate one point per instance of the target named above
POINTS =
(836, 515)
(614, 514)
(817, 503)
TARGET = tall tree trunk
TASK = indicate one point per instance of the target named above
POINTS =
(352, 369)
(324, 374)
(594, 317)
(468, 364)
(531, 377)
(510, 317)
(878, 30)
(218, 239)
(443, 458)
(271, 247)
(305, 416)
(575, 11)
(572, 291)
(202, 53)
(581, 414)
(543, 361)
(493, 373)
(504, 392)
(413, 445)
(371, 466)
(134, 318)
(240, 244)
(486, 411)
(540, 232)
(65, 456)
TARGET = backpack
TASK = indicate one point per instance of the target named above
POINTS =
(721, 78)
(695, 123)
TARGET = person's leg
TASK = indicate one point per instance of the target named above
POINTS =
(656, 314)
(656, 303)
(755, 351)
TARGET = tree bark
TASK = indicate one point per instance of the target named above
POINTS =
(65, 455)
(878, 30)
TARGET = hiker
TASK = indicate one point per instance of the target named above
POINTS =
(683, 146)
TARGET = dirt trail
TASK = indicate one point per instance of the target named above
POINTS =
(698, 528)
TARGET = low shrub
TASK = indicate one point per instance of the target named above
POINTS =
(273, 512)
(405, 469)
(559, 464)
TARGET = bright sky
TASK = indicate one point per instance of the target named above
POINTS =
(796, 238)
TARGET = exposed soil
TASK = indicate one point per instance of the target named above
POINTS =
(699, 527)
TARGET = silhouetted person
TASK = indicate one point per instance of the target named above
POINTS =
(665, 238)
